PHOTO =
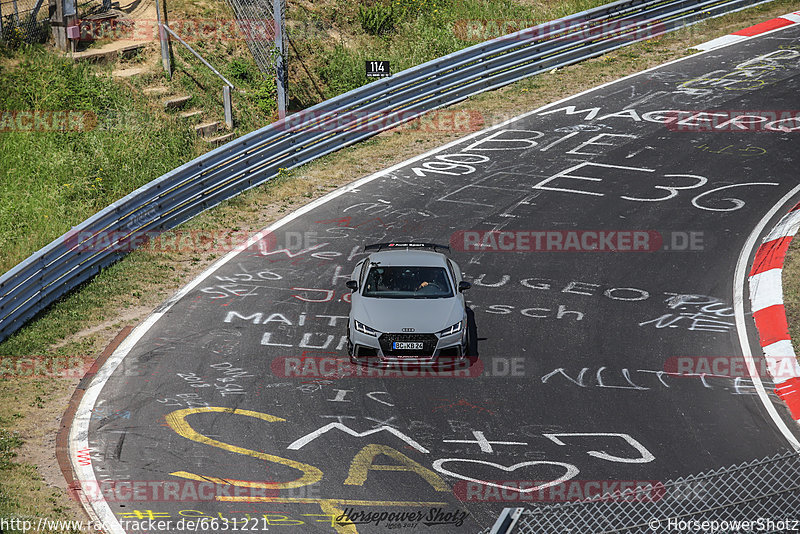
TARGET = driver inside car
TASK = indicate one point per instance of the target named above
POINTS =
(436, 281)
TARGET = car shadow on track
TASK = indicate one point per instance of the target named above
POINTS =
(472, 335)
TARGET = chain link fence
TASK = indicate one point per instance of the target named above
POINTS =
(24, 21)
(765, 493)
(93, 8)
(256, 21)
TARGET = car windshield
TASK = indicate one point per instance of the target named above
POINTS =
(407, 282)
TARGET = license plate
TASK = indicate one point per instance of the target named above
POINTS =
(407, 345)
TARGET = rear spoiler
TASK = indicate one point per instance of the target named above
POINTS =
(380, 246)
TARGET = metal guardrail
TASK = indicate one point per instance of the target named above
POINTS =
(765, 493)
(329, 126)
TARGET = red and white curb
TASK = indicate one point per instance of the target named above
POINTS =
(766, 299)
(752, 31)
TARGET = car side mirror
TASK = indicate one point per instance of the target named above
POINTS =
(352, 285)
(463, 286)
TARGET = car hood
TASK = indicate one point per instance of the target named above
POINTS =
(393, 315)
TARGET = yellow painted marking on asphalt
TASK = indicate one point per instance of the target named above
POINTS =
(177, 421)
(364, 462)
(331, 507)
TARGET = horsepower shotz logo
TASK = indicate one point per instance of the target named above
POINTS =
(430, 517)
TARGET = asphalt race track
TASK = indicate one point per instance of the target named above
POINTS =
(569, 379)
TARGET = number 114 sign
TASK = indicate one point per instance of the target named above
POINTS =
(377, 69)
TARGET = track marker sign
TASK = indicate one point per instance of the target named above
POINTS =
(377, 69)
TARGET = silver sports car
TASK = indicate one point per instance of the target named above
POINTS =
(407, 305)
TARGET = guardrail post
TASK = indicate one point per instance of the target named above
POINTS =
(226, 98)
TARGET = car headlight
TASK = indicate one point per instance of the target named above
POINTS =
(452, 329)
(364, 329)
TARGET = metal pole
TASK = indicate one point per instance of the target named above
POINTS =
(226, 98)
(164, 38)
(198, 56)
(280, 67)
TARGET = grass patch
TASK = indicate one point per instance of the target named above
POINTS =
(404, 32)
(24, 491)
(9, 442)
(53, 180)
(253, 98)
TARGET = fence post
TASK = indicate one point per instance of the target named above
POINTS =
(163, 37)
(226, 98)
(65, 13)
(280, 67)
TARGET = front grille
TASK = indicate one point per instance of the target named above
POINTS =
(428, 344)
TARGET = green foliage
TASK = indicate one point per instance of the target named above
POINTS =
(43, 81)
(420, 30)
(13, 36)
(241, 71)
(19, 30)
(342, 70)
(414, 8)
(377, 19)
(265, 96)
